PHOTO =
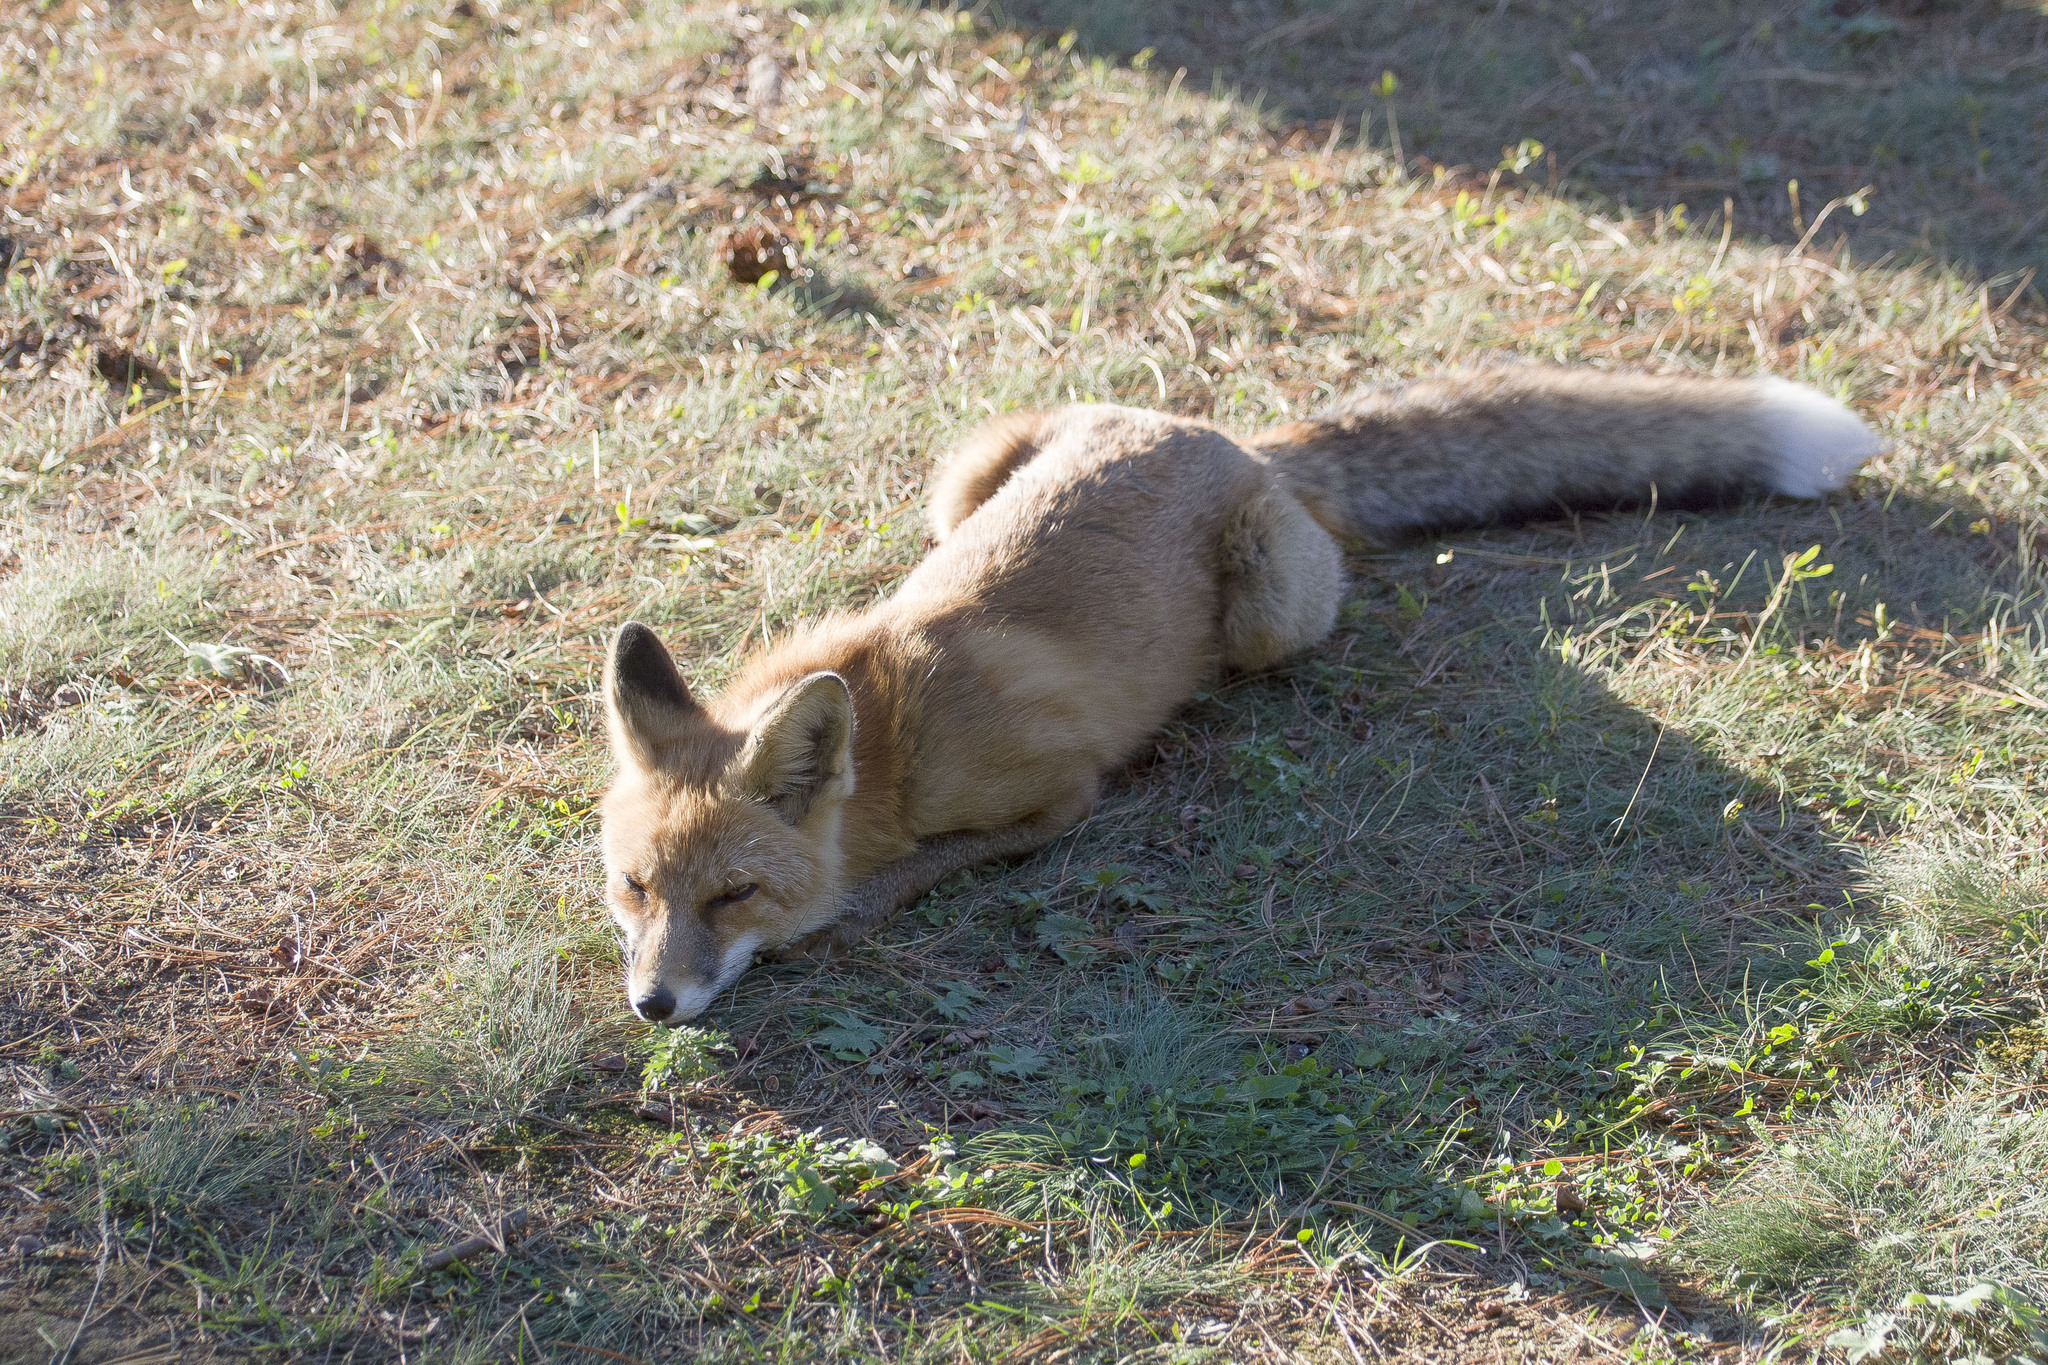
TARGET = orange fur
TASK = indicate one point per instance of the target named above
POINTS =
(1097, 564)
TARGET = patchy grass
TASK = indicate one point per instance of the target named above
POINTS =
(500, 1038)
(1891, 1201)
(1623, 930)
(1935, 112)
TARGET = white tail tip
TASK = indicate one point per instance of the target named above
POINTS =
(1819, 442)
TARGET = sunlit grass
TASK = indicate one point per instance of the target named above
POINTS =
(1567, 906)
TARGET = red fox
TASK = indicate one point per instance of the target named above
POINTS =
(1095, 566)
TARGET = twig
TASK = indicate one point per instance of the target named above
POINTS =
(1337, 1317)
(99, 1278)
(1822, 217)
(600, 1351)
(476, 1246)
(1727, 231)
(966, 1261)
(1640, 783)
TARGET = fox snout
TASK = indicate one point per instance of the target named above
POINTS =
(656, 1007)
(665, 990)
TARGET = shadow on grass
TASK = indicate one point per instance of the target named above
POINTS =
(822, 296)
(1938, 108)
(1358, 949)
(1422, 936)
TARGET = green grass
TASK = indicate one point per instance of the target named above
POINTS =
(1621, 928)
(196, 1161)
(503, 1036)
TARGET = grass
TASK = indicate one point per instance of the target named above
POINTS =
(1935, 112)
(503, 1035)
(195, 1161)
(1891, 1200)
(1625, 930)
(1888, 1201)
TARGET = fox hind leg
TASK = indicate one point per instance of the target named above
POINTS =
(1283, 579)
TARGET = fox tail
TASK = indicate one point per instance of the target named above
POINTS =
(1525, 441)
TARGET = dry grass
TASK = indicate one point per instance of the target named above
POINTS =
(1936, 109)
(363, 365)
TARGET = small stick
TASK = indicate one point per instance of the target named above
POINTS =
(477, 1246)
(100, 1277)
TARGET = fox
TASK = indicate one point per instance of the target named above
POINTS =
(1093, 567)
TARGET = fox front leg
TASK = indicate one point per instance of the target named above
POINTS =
(894, 885)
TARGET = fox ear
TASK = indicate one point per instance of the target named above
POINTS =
(646, 702)
(799, 758)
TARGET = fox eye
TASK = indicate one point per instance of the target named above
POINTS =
(633, 884)
(733, 897)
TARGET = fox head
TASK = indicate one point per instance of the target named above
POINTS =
(720, 838)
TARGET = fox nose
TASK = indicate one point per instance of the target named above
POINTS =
(656, 1006)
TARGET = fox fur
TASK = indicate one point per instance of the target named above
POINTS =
(1095, 566)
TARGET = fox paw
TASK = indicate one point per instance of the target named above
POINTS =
(820, 945)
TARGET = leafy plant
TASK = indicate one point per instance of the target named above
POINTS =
(1019, 1062)
(1267, 767)
(678, 1055)
(1068, 936)
(956, 1000)
(1156, 1101)
(821, 1177)
(848, 1037)
(1987, 1321)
